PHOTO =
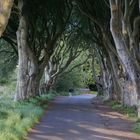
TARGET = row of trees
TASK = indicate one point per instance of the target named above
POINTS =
(46, 40)
(115, 27)
(51, 34)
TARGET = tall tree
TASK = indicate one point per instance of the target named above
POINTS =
(41, 24)
(62, 61)
(99, 27)
(126, 41)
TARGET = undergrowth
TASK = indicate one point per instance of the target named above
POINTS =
(16, 118)
(92, 92)
(136, 128)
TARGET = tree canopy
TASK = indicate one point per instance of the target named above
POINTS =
(49, 35)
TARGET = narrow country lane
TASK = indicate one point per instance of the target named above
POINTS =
(75, 118)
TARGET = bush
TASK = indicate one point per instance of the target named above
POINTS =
(70, 80)
(92, 87)
(136, 128)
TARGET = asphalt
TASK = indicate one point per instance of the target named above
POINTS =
(77, 118)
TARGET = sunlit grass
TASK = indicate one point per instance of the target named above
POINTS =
(16, 118)
(93, 92)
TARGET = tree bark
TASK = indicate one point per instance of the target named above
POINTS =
(34, 76)
(29, 73)
(114, 67)
(106, 77)
(5, 11)
(117, 87)
(22, 77)
(130, 78)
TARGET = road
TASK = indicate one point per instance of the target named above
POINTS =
(76, 118)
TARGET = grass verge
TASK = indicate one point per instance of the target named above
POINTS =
(130, 112)
(16, 118)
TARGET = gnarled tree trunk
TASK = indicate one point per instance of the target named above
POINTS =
(29, 74)
(107, 80)
(34, 76)
(113, 65)
(22, 77)
(131, 84)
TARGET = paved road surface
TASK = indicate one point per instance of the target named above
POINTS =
(75, 118)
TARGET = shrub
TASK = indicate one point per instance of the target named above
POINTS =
(136, 128)
(70, 80)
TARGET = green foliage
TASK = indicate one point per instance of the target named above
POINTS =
(42, 100)
(136, 128)
(8, 88)
(8, 61)
(16, 118)
(70, 80)
(63, 93)
(87, 71)
(79, 77)
(92, 92)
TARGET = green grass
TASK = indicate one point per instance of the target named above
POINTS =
(92, 92)
(16, 118)
(136, 128)
(63, 93)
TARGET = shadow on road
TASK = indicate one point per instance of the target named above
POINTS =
(75, 118)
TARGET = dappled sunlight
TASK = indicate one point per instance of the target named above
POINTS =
(77, 59)
(74, 131)
(78, 121)
(113, 115)
(105, 138)
(115, 133)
